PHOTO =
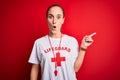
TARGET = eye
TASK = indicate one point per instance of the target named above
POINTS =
(50, 16)
(59, 16)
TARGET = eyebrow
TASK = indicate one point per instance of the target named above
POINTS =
(57, 14)
(50, 14)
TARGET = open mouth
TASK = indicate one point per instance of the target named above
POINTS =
(54, 26)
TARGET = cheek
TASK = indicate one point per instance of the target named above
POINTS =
(61, 22)
(49, 22)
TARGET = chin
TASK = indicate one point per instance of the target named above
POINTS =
(54, 32)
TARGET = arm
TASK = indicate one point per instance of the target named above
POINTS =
(79, 60)
(86, 41)
(34, 72)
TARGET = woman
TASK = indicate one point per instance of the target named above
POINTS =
(57, 53)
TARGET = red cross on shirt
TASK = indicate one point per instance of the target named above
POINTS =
(58, 59)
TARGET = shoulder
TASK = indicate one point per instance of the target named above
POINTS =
(41, 39)
(70, 38)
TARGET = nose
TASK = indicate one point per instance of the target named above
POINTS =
(54, 20)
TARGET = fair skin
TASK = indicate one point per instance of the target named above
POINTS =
(55, 20)
(34, 72)
(86, 42)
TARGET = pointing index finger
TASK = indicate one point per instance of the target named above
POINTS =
(92, 34)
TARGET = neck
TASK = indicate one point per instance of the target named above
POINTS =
(57, 35)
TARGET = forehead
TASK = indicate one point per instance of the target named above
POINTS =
(55, 10)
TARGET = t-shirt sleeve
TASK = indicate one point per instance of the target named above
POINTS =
(34, 58)
(75, 48)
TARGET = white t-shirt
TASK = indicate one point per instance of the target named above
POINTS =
(42, 54)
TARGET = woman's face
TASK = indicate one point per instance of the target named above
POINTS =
(55, 19)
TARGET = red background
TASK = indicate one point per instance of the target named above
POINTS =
(22, 22)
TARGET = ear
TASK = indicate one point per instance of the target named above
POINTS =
(63, 20)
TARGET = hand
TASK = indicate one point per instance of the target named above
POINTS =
(87, 40)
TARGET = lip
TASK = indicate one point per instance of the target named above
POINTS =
(53, 27)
